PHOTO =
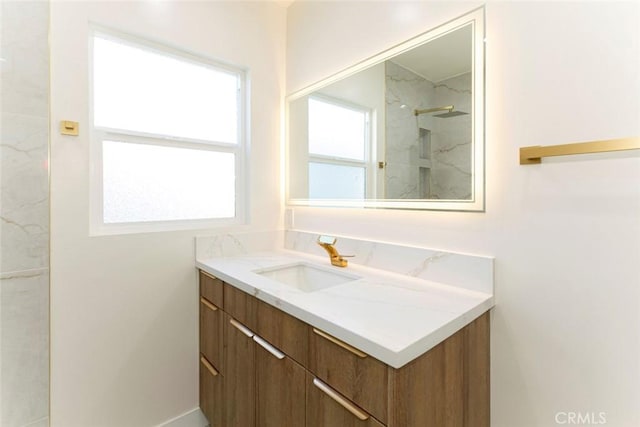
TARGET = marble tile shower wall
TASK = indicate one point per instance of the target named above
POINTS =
(24, 213)
(451, 146)
(405, 91)
(417, 169)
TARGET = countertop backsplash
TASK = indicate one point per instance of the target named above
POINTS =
(471, 272)
(236, 244)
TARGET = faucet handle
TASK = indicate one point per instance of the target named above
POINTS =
(330, 240)
(327, 240)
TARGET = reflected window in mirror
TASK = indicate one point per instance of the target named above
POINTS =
(339, 146)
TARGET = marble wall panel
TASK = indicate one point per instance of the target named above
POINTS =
(24, 336)
(24, 192)
(24, 213)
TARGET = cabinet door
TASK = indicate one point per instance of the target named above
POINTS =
(327, 408)
(211, 332)
(280, 384)
(239, 374)
(211, 400)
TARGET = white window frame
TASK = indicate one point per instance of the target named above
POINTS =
(369, 184)
(101, 134)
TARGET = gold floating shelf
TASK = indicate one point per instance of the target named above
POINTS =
(533, 155)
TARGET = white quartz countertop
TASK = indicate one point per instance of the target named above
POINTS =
(393, 317)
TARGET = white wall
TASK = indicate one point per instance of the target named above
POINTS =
(565, 234)
(124, 308)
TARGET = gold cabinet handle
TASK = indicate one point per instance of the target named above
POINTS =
(208, 304)
(208, 365)
(208, 275)
(271, 349)
(340, 343)
(239, 326)
(340, 400)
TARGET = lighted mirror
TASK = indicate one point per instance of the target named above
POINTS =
(404, 129)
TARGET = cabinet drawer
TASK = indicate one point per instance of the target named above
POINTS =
(284, 331)
(353, 373)
(211, 288)
(240, 305)
(211, 398)
(328, 408)
(211, 332)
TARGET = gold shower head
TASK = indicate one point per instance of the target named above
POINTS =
(449, 112)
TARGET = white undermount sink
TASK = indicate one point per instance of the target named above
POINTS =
(306, 277)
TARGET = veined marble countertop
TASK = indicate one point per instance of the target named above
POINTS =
(393, 317)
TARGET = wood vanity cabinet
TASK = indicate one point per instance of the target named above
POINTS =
(211, 394)
(241, 306)
(262, 367)
(211, 332)
(280, 390)
(211, 348)
(211, 288)
(354, 374)
(284, 331)
(239, 374)
(324, 411)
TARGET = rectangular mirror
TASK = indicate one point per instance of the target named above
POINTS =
(402, 130)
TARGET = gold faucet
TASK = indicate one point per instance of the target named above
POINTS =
(327, 243)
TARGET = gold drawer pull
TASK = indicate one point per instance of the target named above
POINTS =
(208, 304)
(239, 326)
(208, 275)
(340, 343)
(208, 365)
(340, 400)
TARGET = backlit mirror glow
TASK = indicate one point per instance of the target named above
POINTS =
(404, 129)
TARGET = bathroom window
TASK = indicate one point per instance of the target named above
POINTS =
(168, 143)
(339, 147)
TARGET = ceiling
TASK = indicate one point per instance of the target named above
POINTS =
(439, 59)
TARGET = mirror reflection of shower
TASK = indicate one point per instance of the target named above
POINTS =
(427, 157)
(449, 112)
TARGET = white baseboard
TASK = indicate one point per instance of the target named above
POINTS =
(193, 418)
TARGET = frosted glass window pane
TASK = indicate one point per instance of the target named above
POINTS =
(156, 183)
(140, 90)
(336, 131)
(329, 181)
